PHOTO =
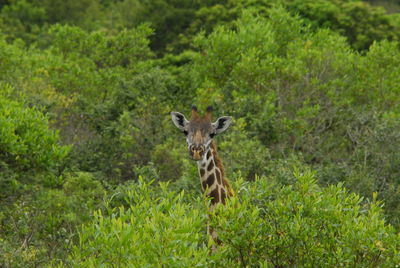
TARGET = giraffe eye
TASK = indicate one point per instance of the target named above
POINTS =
(212, 135)
(185, 132)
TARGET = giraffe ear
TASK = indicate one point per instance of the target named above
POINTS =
(222, 124)
(179, 120)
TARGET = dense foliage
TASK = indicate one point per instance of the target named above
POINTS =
(298, 224)
(92, 171)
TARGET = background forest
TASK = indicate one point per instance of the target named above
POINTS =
(93, 172)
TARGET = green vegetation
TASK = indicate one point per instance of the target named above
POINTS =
(93, 172)
(290, 225)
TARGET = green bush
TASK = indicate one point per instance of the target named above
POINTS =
(26, 144)
(41, 226)
(22, 19)
(359, 22)
(303, 225)
(267, 224)
(156, 229)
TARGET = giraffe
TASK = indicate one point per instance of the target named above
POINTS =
(199, 132)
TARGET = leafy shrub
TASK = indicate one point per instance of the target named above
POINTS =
(298, 224)
(360, 22)
(22, 19)
(243, 155)
(26, 144)
(302, 225)
(155, 229)
(41, 226)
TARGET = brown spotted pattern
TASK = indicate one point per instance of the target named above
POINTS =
(212, 178)
(210, 166)
(218, 174)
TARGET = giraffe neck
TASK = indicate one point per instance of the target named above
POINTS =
(212, 178)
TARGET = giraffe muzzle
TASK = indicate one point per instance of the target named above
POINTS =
(196, 152)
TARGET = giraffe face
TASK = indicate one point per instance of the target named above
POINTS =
(200, 131)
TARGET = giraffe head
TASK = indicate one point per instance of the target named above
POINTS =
(200, 131)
